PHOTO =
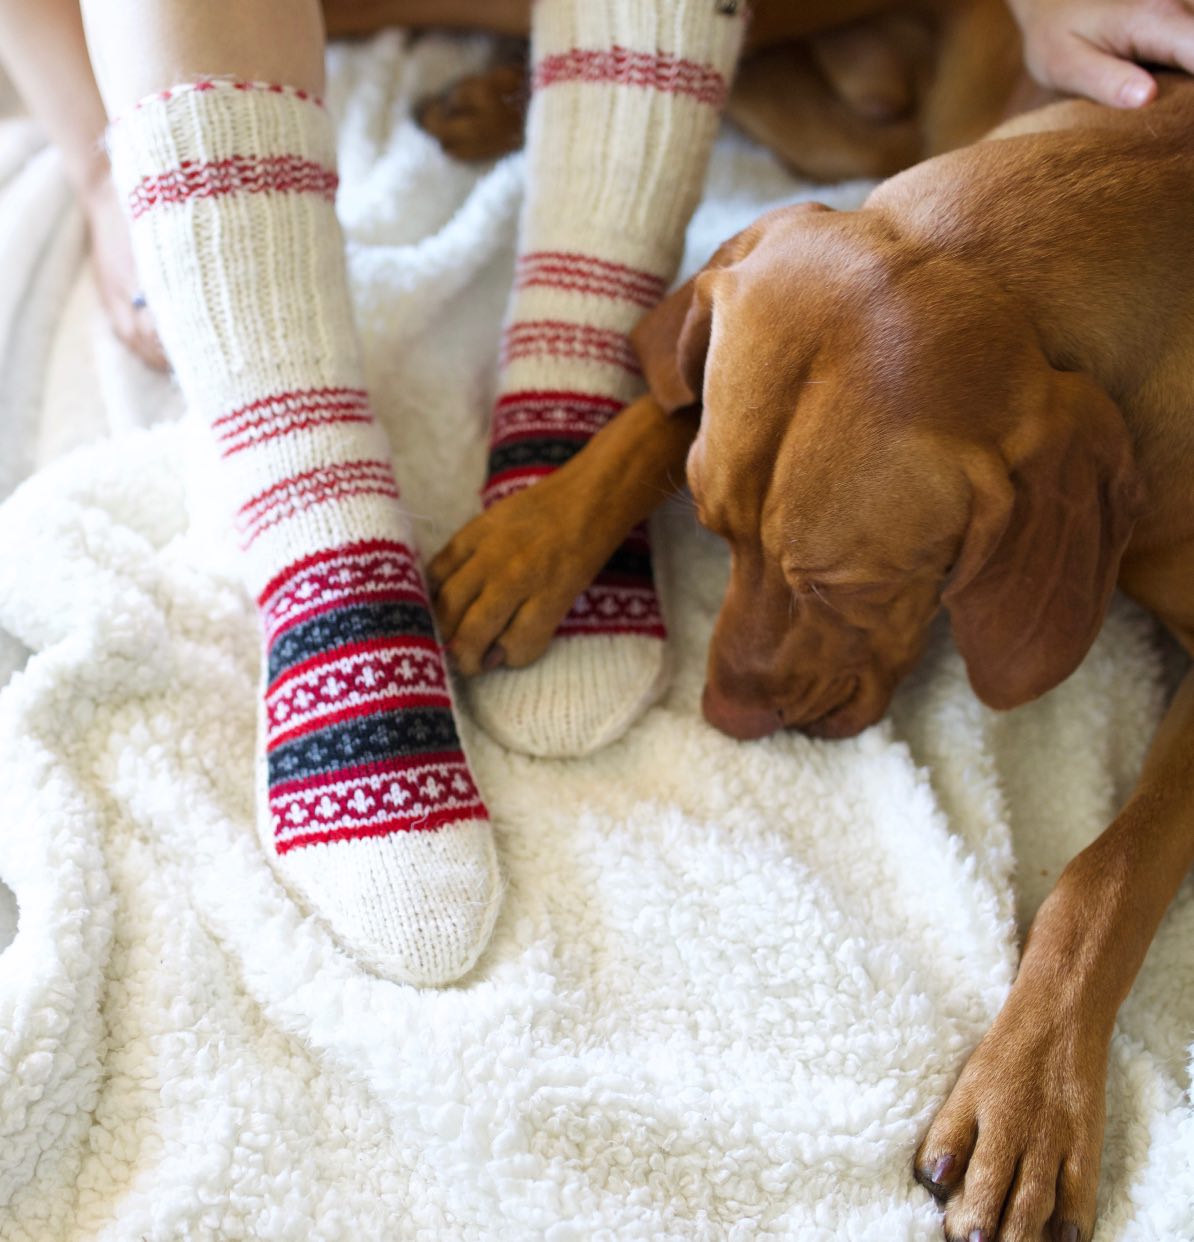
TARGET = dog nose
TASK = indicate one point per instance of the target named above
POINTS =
(741, 720)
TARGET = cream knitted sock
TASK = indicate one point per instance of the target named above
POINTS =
(626, 101)
(366, 804)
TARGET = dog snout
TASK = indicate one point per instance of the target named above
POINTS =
(863, 703)
(742, 720)
(835, 707)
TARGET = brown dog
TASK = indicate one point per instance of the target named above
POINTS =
(975, 394)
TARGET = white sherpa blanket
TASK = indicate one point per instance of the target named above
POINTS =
(730, 983)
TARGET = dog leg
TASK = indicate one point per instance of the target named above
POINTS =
(482, 116)
(781, 99)
(978, 70)
(872, 64)
(505, 581)
(1016, 1149)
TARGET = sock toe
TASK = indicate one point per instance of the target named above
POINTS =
(419, 915)
(581, 695)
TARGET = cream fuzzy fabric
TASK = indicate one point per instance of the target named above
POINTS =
(730, 982)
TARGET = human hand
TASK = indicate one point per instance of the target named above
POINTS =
(1087, 47)
(116, 273)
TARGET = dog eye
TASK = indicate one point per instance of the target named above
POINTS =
(845, 590)
(866, 593)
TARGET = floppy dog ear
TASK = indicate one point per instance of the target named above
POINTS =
(672, 340)
(1053, 511)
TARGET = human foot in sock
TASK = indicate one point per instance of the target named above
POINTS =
(625, 104)
(366, 804)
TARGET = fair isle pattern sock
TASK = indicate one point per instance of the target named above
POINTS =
(365, 801)
(626, 100)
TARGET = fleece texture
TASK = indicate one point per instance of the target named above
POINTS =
(730, 983)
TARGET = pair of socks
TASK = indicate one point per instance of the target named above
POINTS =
(366, 803)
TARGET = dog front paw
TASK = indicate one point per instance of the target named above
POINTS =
(504, 582)
(1014, 1153)
(480, 117)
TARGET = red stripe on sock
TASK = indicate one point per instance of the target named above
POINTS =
(372, 707)
(605, 608)
(228, 84)
(526, 415)
(289, 427)
(284, 413)
(411, 794)
(619, 66)
(237, 174)
(296, 485)
(293, 398)
(277, 623)
(321, 496)
(558, 338)
(428, 823)
(399, 763)
(313, 487)
(590, 276)
(367, 555)
(595, 265)
(549, 398)
(325, 658)
(372, 571)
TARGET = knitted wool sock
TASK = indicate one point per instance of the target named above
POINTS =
(626, 100)
(366, 804)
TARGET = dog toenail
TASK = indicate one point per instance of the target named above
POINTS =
(977, 1235)
(1069, 1232)
(493, 657)
(942, 1169)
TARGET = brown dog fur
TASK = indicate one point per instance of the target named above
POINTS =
(973, 394)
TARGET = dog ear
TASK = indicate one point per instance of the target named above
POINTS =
(673, 339)
(1053, 511)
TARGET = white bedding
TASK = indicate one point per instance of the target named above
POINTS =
(731, 982)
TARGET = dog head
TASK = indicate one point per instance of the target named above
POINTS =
(881, 436)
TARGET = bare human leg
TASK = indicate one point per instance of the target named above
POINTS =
(43, 49)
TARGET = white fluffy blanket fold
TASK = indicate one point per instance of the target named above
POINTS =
(730, 983)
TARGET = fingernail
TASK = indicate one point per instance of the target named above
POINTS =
(1134, 93)
(942, 1169)
(493, 657)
